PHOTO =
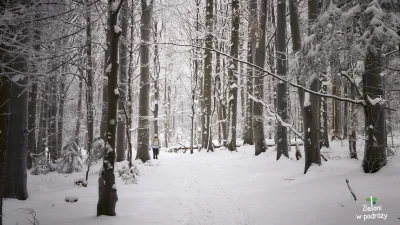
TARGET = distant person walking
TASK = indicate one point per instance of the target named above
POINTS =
(156, 146)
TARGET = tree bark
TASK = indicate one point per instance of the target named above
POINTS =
(52, 135)
(123, 58)
(207, 139)
(232, 73)
(248, 135)
(17, 142)
(79, 110)
(32, 122)
(144, 95)
(258, 132)
(156, 63)
(4, 124)
(89, 87)
(104, 106)
(311, 111)
(107, 190)
(345, 112)
(281, 89)
(42, 136)
(375, 148)
(353, 126)
(324, 133)
(60, 118)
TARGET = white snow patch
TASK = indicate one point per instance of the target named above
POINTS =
(375, 101)
(307, 101)
(108, 69)
(117, 29)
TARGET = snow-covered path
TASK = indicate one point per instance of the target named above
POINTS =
(221, 188)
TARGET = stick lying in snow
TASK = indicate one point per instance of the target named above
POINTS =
(348, 185)
(324, 158)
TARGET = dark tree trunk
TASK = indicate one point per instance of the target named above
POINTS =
(281, 89)
(144, 95)
(353, 126)
(206, 139)
(79, 111)
(324, 139)
(32, 122)
(248, 135)
(104, 106)
(311, 109)
(258, 132)
(195, 77)
(375, 148)
(345, 112)
(60, 118)
(232, 73)
(42, 136)
(89, 87)
(52, 138)
(4, 124)
(123, 58)
(129, 86)
(17, 142)
(107, 190)
(156, 63)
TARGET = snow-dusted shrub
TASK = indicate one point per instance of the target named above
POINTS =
(42, 166)
(129, 175)
(71, 160)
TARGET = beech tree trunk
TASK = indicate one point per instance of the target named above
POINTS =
(258, 121)
(32, 122)
(207, 139)
(281, 89)
(79, 111)
(123, 59)
(311, 109)
(375, 146)
(232, 73)
(144, 95)
(107, 189)
(248, 133)
(17, 140)
(60, 118)
(52, 135)
(353, 127)
(4, 124)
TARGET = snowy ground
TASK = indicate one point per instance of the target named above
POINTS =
(222, 188)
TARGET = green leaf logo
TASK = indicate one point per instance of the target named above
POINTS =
(371, 199)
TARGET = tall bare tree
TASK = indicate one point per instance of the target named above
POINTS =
(248, 135)
(311, 106)
(4, 123)
(281, 89)
(123, 59)
(144, 95)
(233, 70)
(258, 132)
(207, 140)
(107, 190)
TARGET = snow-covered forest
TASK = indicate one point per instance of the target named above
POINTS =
(199, 112)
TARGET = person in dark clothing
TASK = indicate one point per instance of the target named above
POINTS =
(156, 146)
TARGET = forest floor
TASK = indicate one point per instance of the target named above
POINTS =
(223, 188)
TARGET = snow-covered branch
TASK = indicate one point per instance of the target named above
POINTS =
(354, 101)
